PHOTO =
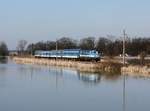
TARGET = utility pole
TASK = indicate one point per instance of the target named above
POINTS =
(124, 76)
(32, 49)
(56, 48)
(124, 36)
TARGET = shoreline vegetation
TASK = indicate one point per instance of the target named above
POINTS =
(94, 67)
(105, 66)
(136, 70)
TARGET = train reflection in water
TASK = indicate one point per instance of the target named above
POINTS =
(90, 78)
(63, 74)
(87, 78)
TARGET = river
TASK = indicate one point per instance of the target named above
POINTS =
(43, 88)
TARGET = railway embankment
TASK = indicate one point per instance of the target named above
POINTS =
(103, 66)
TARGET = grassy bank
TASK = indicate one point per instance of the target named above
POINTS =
(136, 70)
(79, 65)
(96, 67)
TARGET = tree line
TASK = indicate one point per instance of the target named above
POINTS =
(103, 45)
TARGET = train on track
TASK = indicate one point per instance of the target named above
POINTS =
(76, 54)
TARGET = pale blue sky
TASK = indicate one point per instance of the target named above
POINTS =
(36, 20)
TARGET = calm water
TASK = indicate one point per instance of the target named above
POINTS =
(39, 88)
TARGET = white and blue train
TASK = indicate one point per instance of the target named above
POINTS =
(77, 54)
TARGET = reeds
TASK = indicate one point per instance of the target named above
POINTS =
(137, 70)
(79, 65)
(96, 67)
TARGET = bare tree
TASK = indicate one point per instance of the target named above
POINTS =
(66, 43)
(3, 49)
(87, 43)
(21, 46)
(101, 44)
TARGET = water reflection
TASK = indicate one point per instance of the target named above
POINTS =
(60, 74)
(111, 76)
(3, 60)
(89, 78)
(2, 69)
(69, 89)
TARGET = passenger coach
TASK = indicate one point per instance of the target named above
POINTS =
(69, 54)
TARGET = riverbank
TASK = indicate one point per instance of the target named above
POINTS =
(79, 65)
(136, 70)
(97, 67)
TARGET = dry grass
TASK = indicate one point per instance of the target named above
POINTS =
(108, 67)
(137, 70)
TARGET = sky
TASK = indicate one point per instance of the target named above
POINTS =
(37, 20)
